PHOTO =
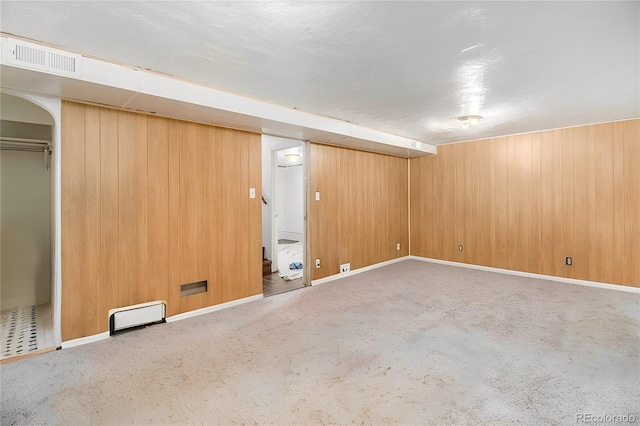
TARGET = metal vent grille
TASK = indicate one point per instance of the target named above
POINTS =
(30, 55)
(34, 56)
(62, 62)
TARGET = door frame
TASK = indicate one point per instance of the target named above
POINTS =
(306, 254)
(274, 210)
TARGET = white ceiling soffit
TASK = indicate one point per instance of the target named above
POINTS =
(403, 68)
(110, 84)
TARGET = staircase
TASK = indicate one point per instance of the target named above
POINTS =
(266, 265)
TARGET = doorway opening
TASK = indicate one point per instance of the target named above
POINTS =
(26, 231)
(283, 215)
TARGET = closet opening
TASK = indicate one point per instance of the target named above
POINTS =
(26, 248)
(284, 194)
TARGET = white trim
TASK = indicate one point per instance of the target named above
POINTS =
(617, 287)
(105, 335)
(85, 340)
(573, 126)
(214, 308)
(357, 271)
(306, 241)
(274, 211)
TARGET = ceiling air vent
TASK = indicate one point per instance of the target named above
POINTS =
(37, 57)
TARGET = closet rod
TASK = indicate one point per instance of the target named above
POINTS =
(25, 141)
(26, 145)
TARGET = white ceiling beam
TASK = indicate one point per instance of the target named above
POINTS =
(121, 86)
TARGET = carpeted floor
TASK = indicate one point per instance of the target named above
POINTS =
(410, 343)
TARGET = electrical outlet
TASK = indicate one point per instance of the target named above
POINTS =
(345, 267)
(568, 261)
(398, 246)
(460, 247)
(317, 263)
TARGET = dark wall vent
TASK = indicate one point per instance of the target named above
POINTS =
(193, 288)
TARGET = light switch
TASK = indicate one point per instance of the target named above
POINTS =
(252, 193)
(317, 195)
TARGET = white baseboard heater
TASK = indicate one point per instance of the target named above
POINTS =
(137, 315)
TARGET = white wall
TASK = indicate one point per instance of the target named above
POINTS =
(266, 193)
(18, 109)
(290, 203)
(25, 228)
(269, 145)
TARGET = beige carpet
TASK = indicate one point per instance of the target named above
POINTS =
(411, 343)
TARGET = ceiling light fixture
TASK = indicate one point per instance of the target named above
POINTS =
(292, 158)
(468, 120)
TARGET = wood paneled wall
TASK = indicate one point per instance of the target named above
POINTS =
(363, 209)
(151, 203)
(527, 202)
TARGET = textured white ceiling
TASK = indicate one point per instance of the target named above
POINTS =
(406, 68)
